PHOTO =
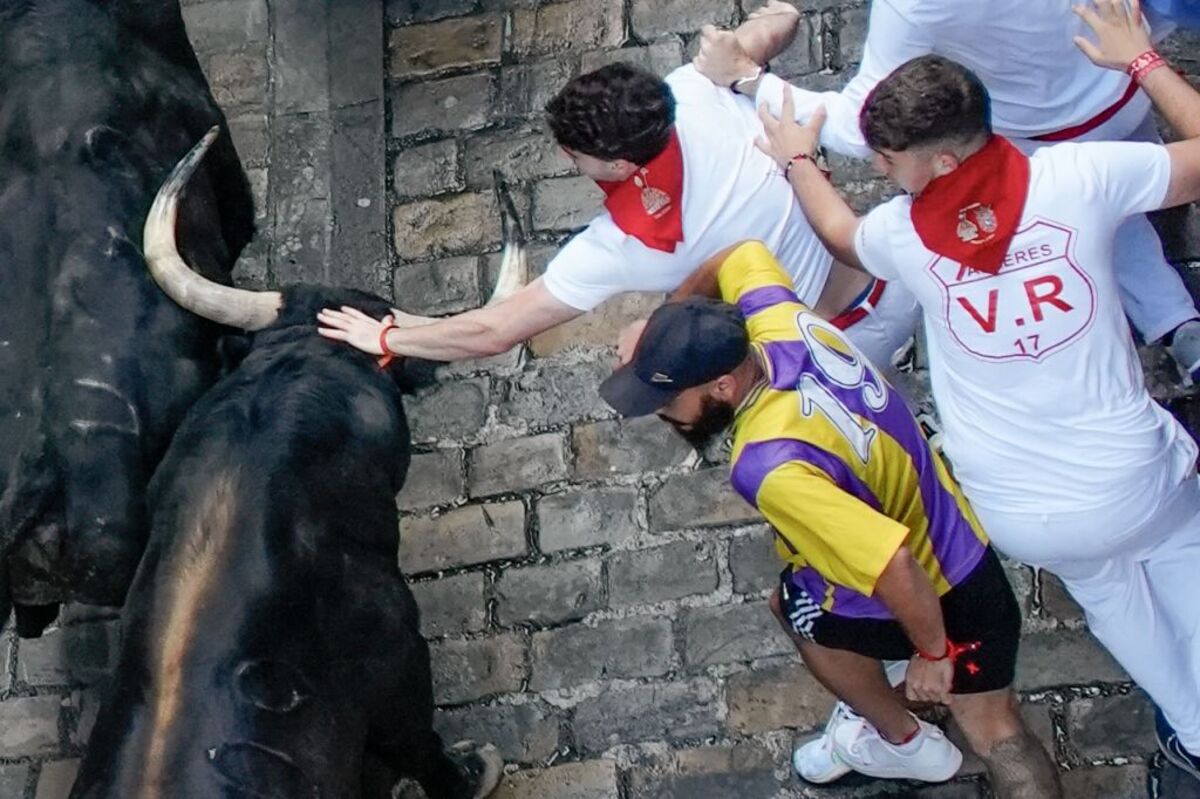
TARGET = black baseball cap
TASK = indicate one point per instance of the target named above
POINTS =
(685, 344)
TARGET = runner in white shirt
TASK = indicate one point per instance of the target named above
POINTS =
(684, 180)
(1067, 460)
(1043, 91)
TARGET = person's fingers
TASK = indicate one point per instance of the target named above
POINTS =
(1135, 12)
(767, 118)
(787, 109)
(1090, 50)
(356, 314)
(1116, 11)
(818, 119)
(333, 333)
(1088, 14)
(333, 318)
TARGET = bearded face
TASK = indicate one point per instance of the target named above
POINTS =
(715, 416)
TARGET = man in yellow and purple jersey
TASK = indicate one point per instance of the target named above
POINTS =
(885, 558)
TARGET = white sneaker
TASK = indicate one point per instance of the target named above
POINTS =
(930, 757)
(815, 760)
(1185, 349)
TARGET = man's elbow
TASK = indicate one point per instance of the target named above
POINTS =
(495, 339)
(495, 344)
(897, 575)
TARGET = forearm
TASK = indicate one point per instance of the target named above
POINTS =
(767, 35)
(485, 331)
(455, 338)
(1175, 99)
(908, 593)
(831, 218)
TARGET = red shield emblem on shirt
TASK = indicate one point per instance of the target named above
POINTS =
(1038, 303)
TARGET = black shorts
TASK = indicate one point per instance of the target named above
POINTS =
(980, 608)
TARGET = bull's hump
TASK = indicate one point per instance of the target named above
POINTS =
(177, 619)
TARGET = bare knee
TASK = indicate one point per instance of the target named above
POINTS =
(987, 719)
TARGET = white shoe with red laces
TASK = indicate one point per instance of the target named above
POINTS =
(815, 760)
(929, 756)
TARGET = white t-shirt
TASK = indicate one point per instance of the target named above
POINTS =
(1022, 50)
(731, 192)
(1035, 375)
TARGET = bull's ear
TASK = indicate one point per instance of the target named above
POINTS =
(232, 348)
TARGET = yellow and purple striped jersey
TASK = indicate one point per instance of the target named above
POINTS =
(832, 457)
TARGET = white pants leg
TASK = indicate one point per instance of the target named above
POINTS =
(1152, 293)
(1139, 586)
(887, 326)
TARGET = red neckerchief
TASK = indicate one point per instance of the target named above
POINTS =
(971, 214)
(648, 204)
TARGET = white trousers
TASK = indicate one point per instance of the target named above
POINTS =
(1152, 293)
(887, 326)
(1137, 578)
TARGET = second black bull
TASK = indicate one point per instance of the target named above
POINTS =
(270, 644)
(97, 367)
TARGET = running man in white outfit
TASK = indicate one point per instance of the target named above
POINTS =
(1068, 462)
(1043, 91)
(683, 180)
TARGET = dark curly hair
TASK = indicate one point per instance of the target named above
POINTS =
(927, 100)
(617, 111)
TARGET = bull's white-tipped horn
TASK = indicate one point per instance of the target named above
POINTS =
(249, 310)
(514, 263)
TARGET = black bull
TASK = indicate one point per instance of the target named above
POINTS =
(97, 101)
(270, 644)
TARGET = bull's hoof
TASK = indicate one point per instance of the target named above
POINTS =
(482, 766)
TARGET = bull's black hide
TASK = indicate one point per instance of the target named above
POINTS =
(270, 642)
(97, 101)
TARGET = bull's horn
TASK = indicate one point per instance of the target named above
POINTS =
(514, 266)
(249, 310)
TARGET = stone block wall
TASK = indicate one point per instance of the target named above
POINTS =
(593, 592)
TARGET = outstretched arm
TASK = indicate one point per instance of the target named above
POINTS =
(484, 331)
(1122, 38)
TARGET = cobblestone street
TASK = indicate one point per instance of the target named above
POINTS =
(595, 595)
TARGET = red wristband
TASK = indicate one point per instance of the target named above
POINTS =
(1144, 64)
(388, 356)
(816, 160)
(952, 653)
